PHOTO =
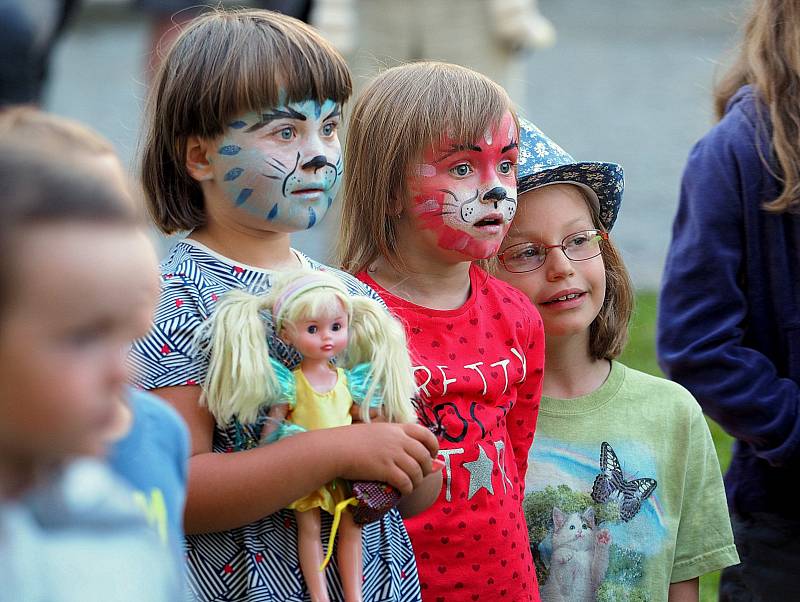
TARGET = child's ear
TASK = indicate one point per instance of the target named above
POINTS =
(197, 163)
(396, 204)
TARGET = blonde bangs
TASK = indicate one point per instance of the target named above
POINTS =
(324, 303)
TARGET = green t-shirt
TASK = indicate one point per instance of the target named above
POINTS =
(624, 493)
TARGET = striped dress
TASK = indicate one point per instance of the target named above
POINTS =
(257, 562)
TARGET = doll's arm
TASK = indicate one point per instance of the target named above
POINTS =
(266, 479)
(361, 386)
(375, 414)
(277, 413)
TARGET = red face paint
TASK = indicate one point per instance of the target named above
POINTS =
(466, 193)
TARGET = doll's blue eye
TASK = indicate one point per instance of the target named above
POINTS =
(311, 329)
(336, 327)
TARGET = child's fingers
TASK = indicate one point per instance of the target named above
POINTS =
(415, 470)
(424, 436)
(398, 479)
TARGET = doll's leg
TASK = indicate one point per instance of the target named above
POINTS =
(350, 560)
(309, 550)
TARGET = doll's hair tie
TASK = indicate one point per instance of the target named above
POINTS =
(298, 287)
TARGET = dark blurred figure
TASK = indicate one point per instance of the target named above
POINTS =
(729, 312)
(28, 32)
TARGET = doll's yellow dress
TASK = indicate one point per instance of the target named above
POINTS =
(310, 410)
(313, 410)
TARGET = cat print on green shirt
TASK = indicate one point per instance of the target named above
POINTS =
(586, 538)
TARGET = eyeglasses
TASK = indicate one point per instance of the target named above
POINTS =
(529, 256)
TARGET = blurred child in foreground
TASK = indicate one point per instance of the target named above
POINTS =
(77, 285)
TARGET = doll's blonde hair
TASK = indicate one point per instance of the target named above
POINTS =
(240, 378)
(400, 114)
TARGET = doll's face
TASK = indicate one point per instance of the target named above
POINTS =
(319, 339)
(282, 165)
(464, 193)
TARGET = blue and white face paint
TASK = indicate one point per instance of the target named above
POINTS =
(283, 164)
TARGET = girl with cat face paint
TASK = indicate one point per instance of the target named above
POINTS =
(443, 195)
(624, 471)
(241, 157)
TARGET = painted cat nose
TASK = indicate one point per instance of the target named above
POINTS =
(496, 194)
(316, 163)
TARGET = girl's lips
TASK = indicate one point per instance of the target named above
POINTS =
(565, 299)
(493, 224)
(491, 220)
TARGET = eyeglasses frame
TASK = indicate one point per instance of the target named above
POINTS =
(601, 233)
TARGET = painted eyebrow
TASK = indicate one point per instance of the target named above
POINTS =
(508, 147)
(267, 118)
(457, 148)
(337, 110)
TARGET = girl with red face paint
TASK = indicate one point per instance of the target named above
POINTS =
(432, 152)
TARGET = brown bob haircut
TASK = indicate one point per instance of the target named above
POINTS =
(225, 64)
(400, 113)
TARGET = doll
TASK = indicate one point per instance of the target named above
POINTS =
(311, 312)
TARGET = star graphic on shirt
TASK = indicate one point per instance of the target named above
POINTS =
(480, 473)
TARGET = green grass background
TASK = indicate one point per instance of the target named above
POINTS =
(641, 354)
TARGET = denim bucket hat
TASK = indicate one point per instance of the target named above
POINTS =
(542, 162)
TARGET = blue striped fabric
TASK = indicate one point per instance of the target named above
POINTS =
(258, 561)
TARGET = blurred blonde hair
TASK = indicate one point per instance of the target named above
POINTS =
(224, 64)
(240, 377)
(403, 111)
(769, 59)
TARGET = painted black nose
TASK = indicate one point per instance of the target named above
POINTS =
(496, 194)
(316, 162)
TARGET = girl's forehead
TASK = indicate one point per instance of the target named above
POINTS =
(497, 137)
(555, 206)
(487, 134)
(303, 110)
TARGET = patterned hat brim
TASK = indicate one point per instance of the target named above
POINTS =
(605, 180)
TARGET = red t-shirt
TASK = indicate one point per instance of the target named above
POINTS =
(479, 370)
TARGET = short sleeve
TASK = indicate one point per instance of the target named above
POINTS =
(359, 384)
(704, 541)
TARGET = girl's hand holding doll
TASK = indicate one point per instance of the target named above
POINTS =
(313, 313)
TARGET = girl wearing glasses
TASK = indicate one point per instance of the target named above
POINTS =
(624, 497)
